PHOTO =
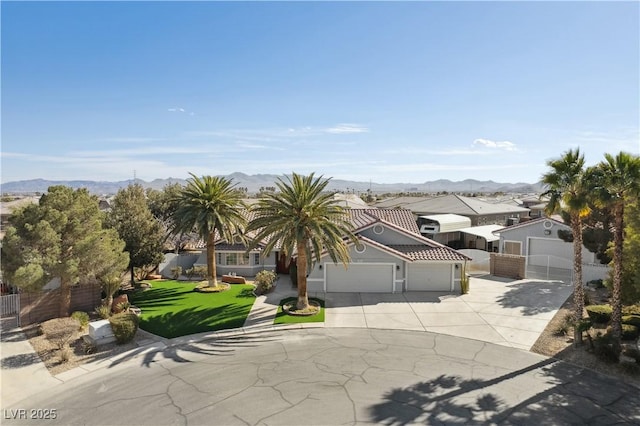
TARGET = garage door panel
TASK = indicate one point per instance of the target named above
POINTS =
(360, 278)
(429, 277)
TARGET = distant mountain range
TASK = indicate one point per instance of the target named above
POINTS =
(253, 183)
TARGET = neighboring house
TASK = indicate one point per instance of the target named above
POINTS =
(8, 207)
(538, 240)
(480, 212)
(481, 237)
(443, 228)
(390, 257)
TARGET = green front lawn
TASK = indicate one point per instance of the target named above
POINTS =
(284, 318)
(172, 309)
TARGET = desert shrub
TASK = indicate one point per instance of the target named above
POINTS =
(599, 313)
(629, 332)
(631, 310)
(123, 307)
(201, 271)
(103, 311)
(124, 326)
(596, 283)
(464, 281)
(631, 320)
(65, 353)
(81, 317)
(606, 348)
(264, 281)
(60, 330)
(176, 271)
(565, 326)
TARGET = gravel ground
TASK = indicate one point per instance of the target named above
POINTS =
(560, 346)
(51, 356)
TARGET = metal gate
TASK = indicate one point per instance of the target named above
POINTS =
(10, 309)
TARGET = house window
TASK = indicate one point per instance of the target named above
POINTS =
(219, 261)
(237, 259)
(513, 247)
(256, 258)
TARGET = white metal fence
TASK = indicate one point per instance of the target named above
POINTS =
(10, 307)
(558, 268)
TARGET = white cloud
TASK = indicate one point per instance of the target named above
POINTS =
(347, 128)
(504, 145)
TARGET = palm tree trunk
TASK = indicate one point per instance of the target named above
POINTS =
(301, 263)
(211, 260)
(578, 289)
(616, 299)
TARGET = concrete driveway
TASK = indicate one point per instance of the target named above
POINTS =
(505, 312)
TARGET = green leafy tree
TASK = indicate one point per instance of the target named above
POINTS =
(630, 286)
(163, 205)
(302, 219)
(618, 181)
(137, 227)
(568, 189)
(210, 205)
(62, 236)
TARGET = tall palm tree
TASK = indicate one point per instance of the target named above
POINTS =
(619, 180)
(208, 205)
(301, 218)
(567, 187)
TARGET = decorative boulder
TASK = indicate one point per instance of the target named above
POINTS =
(115, 307)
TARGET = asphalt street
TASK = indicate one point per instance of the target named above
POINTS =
(333, 376)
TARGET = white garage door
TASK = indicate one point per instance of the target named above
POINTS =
(425, 277)
(550, 252)
(360, 278)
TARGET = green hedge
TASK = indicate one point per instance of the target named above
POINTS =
(599, 313)
(124, 326)
(629, 332)
(631, 320)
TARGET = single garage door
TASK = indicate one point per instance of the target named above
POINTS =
(360, 278)
(429, 277)
(550, 252)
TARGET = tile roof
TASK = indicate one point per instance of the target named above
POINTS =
(423, 252)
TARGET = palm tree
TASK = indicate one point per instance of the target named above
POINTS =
(567, 187)
(301, 218)
(209, 205)
(619, 179)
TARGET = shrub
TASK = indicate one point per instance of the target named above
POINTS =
(631, 320)
(103, 311)
(60, 330)
(124, 326)
(464, 280)
(65, 353)
(81, 317)
(629, 332)
(201, 271)
(596, 283)
(264, 281)
(123, 307)
(586, 298)
(606, 348)
(599, 313)
(631, 310)
(565, 326)
(176, 271)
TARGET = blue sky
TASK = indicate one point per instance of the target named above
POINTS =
(388, 92)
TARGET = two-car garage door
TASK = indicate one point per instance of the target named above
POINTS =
(360, 278)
